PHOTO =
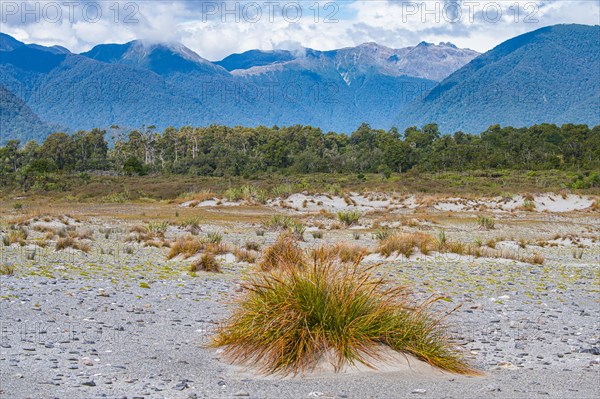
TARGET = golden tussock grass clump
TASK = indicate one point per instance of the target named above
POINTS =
(157, 243)
(186, 246)
(16, 236)
(138, 229)
(285, 252)
(6, 269)
(72, 242)
(290, 318)
(252, 246)
(219, 248)
(245, 255)
(207, 263)
(405, 243)
(46, 229)
(346, 253)
(535, 259)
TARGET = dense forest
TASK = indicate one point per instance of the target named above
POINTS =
(249, 152)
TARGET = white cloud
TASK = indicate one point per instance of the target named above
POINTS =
(207, 27)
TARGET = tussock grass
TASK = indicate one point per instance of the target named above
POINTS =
(535, 259)
(138, 229)
(280, 222)
(219, 248)
(317, 235)
(187, 246)
(577, 253)
(346, 253)
(245, 255)
(349, 218)
(6, 269)
(382, 233)
(214, 237)
(206, 263)
(284, 253)
(192, 224)
(405, 243)
(486, 222)
(528, 205)
(252, 246)
(18, 236)
(158, 228)
(248, 193)
(284, 222)
(72, 242)
(288, 320)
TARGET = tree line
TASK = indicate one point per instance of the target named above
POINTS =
(241, 151)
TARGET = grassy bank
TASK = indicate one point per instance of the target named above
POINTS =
(118, 189)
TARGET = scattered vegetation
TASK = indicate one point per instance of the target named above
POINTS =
(15, 236)
(405, 243)
(186, 246)
(382, 233)
(317, 234)
(577, 253)
(207, 263)
(6, 269)
(284, 222)
(245, 255)
(72, 242)
(486, 222)
(349, 218)
(214, 237)
(284, 253)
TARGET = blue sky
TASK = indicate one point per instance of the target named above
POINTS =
(215, 29)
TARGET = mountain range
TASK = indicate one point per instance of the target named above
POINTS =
(548, 75)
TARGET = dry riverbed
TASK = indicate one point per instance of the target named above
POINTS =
(116, 318)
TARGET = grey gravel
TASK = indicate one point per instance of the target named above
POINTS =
(534, 330)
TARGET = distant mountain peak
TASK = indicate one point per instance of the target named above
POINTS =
(9, 43)
(447, 44)
(162, 58)
(256, 58)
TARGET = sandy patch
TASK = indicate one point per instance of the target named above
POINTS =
(389, 361)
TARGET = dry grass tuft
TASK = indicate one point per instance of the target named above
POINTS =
(284, 253)
(7, 270)
(405, 243)
(17, 236)
(244, 255)
(206, 263)
(535, 259)
(346, 253)
(289, 319)
(72, 242)
(186, 246)
(349, 218)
